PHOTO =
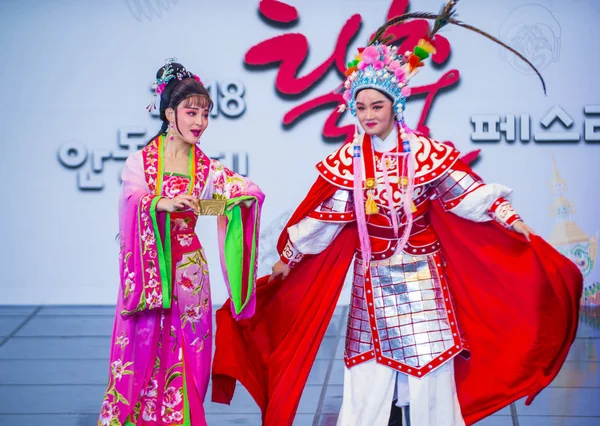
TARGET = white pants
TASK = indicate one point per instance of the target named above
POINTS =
(370, 388)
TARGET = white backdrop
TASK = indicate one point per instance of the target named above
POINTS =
(78, 72)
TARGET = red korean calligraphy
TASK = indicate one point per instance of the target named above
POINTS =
(289, 51)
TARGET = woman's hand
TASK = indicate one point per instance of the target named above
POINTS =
(520, 227)
(280, 269)
(181, 202)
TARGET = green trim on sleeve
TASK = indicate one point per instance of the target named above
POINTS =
(234, 252)
(164, 253)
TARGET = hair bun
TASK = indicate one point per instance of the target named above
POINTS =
(177, 70)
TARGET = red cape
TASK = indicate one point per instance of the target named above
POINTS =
(517, 304)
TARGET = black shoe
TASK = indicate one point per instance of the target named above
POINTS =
(395, 416)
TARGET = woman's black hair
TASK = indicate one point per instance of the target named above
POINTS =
(181, 87)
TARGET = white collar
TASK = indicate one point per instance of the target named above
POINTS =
(388, 144)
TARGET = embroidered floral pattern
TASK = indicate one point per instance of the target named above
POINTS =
(185, 240)
(109, 413)
(152, 296)
(152, 389)
(192, 314)
(172, 404)
(179, 224)
(172, 397)
(152, 272)
(106, 413)
(148, 238)
(187, 283)
(149, 413)
(150, 155)
(227, 183)
(202, 169)
(128, 278)
(117, 369)
(122, 340)
(195, 272)
(154, 300)
(175, 185)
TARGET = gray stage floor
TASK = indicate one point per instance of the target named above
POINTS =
(53, 372)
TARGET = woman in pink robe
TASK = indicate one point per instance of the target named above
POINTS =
(162, 339)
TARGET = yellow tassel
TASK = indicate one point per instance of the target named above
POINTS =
(413, 207)
(426, 46)
(371, 206)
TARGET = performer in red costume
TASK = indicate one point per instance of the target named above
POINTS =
(457, 307)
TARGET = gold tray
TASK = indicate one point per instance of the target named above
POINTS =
(211, 207)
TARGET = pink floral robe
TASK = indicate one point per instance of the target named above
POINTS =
(162, 339)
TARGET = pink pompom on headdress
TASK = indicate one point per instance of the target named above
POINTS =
(370, 55)
(378, 65)
(195, 77)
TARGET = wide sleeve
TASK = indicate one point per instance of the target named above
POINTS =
(272, 353)
(463, 193)
(238, 232)
(145, 255)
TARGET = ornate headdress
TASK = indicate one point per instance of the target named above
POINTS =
(381, 67)
(169, 73)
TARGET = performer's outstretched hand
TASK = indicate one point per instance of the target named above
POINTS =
(280, 269)
(181, 202)
(522, 228)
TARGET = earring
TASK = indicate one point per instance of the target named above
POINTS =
(171, 131)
